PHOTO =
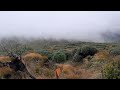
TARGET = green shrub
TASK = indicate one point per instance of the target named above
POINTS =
(59, 57)
(78, 58)
(87, 50)
(84, 52)
(45, 53)
(115, 51)
(111, 70)
(68, 55)
(50, 56)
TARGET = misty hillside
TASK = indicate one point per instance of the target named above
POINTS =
(111, 36)
(39, 58)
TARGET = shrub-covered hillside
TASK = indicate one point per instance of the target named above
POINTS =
(38, 59)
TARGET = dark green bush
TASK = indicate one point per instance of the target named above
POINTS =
(83, 52)
(68, 55)
(50, 56)
(59, 57)
(78, 58)
(45, 52)
(87, 50)
(111, 70)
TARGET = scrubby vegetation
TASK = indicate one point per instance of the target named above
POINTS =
(37, 58)
(115, 51)
(84, 52)
(59, 57)
(111, 70)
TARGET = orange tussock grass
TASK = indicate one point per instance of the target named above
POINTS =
(67, 71)
(102, 55)
(85, 74)
(67, 67)
(5, 59)
(32, 56)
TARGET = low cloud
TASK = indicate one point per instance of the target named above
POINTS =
(77, 25)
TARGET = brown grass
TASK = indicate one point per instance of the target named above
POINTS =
(46, 74)
(101, 55)
(72, 76)
(5, 59)
(32, 56)
(68, 68)
(44, 57)
(68, 71)
(34, 62)
(5, 70)
(116, 58)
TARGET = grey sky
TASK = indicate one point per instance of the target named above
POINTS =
(80, 25)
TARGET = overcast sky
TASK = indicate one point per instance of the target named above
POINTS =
(80, 25)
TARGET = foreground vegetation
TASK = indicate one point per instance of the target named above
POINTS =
(76, 59)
